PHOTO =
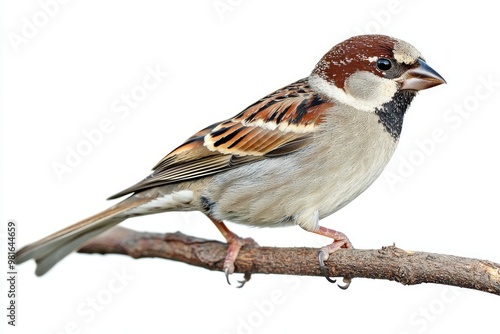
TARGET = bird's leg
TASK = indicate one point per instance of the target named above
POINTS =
(234, 245)
(340, 241)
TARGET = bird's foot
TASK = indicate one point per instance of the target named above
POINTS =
(341, 241)
(234, 245)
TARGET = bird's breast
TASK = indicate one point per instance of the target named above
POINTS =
(346, 156)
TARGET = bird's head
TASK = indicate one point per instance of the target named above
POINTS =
(366, 72)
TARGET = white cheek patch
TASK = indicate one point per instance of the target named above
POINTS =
(363, 90)
(371, 89)
(174, 201)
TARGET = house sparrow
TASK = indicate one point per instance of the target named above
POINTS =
(291, 158)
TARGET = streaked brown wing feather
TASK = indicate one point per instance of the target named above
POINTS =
(277, 124)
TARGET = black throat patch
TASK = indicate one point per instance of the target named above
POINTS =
(392, 113)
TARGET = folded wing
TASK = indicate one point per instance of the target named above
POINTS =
(278, 124)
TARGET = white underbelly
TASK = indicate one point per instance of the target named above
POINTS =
(288, 190)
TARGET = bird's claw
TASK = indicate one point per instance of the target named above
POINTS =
(322, 256)
(234, 247)
(228, 271)
(234, 244)
(246, 278)
(347, 282)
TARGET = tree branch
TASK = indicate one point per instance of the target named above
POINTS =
(390, 263)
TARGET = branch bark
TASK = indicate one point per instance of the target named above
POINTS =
(390, 263)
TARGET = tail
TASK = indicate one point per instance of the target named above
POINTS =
(50, 250)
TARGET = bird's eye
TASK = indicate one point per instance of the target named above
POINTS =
(384, 64)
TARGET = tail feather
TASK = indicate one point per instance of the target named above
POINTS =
(45, 262)
(50, 250)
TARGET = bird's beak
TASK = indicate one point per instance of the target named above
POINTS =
(420, 77)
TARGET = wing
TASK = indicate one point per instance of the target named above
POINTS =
(276, 125)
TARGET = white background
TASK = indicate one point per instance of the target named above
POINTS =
(65, 77)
